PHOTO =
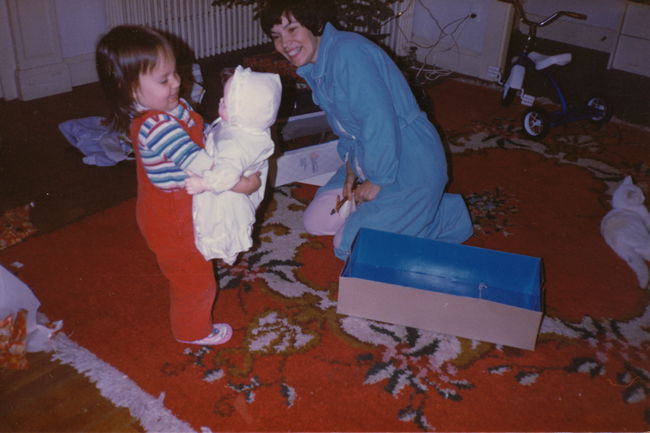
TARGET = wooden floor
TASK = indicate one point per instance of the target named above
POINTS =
(53, 397)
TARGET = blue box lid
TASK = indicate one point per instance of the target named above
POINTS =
(462, 270)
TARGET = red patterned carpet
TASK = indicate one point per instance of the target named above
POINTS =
(295, 365)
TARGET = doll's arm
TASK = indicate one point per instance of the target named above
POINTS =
(248, 184)
(234, 158)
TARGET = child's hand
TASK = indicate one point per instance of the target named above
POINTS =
(195, 184)
(248, 184)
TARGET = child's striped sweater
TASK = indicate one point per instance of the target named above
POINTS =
(167, 150)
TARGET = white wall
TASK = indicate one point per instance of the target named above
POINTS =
(450, 39)
(480, 43)
(81, 23)
(432, 15)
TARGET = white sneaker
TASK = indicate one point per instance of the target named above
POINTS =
(221, 333)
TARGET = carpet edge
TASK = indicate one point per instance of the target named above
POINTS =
(118, 387)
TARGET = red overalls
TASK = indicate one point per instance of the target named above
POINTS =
(165, 220)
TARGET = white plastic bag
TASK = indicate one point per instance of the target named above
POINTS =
(15, 296)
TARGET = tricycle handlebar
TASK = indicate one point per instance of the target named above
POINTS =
(546, 21)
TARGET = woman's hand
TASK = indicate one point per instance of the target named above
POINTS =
(366, 191)
(248, 184)
(359, 192)
(195, 184)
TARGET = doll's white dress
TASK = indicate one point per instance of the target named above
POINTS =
(223, 220)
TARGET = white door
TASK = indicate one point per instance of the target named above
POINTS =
(37, 48)
(8, 89)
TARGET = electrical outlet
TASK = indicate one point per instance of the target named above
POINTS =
(475, 11)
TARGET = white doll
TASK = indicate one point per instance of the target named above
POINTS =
(240, 143)
(626, 228)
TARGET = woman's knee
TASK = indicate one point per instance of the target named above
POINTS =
(318, 218)
(310, 221)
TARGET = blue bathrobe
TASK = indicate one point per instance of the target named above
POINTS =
(386, 139)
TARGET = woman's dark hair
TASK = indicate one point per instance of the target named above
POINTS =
(121, 56)
(312, 14)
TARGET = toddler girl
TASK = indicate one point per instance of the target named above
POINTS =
(240, 143)
(137, 69)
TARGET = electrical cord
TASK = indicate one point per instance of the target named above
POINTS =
(427, 70)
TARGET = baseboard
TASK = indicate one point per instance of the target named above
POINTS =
(82, 69)
(43, 81)
(56, 78)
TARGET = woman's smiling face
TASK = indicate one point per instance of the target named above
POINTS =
(294, 41)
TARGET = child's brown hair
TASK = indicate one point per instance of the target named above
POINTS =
(121, 56)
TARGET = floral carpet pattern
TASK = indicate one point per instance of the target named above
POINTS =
(419, 368)
(602, 360)
(294, 364)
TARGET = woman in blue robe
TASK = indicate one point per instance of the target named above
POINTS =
(395, 169)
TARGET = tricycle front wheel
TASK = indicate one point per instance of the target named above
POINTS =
(535, 123)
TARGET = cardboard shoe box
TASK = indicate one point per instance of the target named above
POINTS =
(454, 289)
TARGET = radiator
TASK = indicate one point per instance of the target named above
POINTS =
(206, 29)
(210, 30)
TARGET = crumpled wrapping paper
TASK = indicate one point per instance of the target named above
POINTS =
(22, 328)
